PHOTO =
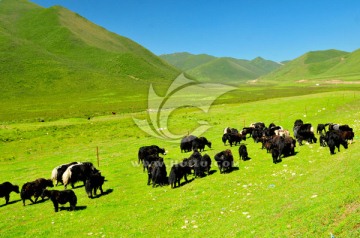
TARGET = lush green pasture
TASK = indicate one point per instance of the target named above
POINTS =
(122, 100)
(312, 194)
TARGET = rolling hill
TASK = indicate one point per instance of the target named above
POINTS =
(55, 63)
(52, 51)
(318, 66)
(224, 69)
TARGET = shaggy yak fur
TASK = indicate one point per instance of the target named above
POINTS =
(5, 190)
(60, 197)
(35, 189)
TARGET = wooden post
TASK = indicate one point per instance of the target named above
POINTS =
(97, 156)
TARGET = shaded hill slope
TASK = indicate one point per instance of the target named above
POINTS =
(47, 51)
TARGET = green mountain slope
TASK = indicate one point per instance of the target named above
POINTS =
(47, 51)
(348, 65)
(316, 65)
(186, 61)
(265, 65)
(224, 69)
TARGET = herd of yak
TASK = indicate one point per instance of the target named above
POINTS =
(274, 139)
(67, 174)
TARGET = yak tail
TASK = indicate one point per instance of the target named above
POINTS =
(54, 174)
(67, 176)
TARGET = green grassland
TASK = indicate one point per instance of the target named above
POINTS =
(312, 194)
(59, 68)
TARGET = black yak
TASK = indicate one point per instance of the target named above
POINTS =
(243, 153)
(6, 188)
(199, 144)
(333, 139)
(224, 160)
(186, 143)
(178, 171)
(60, 197)
(146, 151)
(34, 188)
(93, 183)
(157, 173)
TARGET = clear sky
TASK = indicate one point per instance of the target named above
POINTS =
(273, 29)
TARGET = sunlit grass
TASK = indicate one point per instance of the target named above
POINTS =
(311, 194)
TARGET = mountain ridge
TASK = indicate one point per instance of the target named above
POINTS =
(317, 65)
(220, 69)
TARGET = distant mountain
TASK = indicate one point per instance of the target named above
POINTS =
(324, 64)
(186, 61)
(53, 51)
(220, 69)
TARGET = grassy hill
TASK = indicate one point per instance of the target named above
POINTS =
(186, 61)
(224, 69)
(53, 54)
(348, 65)
(319, 66)
(56, 64)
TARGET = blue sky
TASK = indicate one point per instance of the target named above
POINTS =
(273, 29)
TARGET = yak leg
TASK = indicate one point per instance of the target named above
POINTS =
(7, 197)
(56, 205)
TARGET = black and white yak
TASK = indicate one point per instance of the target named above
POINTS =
(78, 172)
(57, 172)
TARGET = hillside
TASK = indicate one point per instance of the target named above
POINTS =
(220, 69)
(186, 61)
(52, 51)
(348, 65)
(318, 65)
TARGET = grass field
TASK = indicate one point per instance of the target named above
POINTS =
(311, 194)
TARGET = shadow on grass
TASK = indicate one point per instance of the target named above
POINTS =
(108, 191)
(188, 181)
(79, 186)
(212, 172)
(248, 158)
(11, 202)
(77, 208)
(37, 202)
(183, 183)
(230, 170)
(234, 169)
